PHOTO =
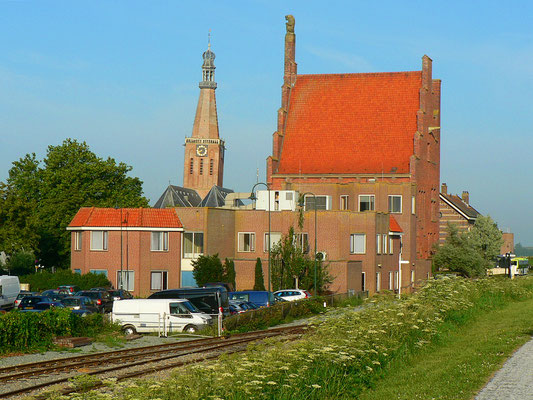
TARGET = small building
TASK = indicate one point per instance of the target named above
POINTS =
(455, 210)
(138, 249)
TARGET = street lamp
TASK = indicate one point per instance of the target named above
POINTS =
(254, 198)
(301, 204)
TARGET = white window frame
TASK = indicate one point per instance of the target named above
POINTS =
(353, 242)
(194, 254)
(273, 242)
(378, 281)
(413, 205)
(344, 205)
(412, 276)
(308, 207)
(384, 241)
(371, 199)
(160, 238)
(104, 240)
(391, 197)
(391, 280)
(378, 243)
(363, 281)
(251, 242)
(391, 245)
(78, 243)
(163, 282)
(129, 284)
(396, 280)
(301, 241)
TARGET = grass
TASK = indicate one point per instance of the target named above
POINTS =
(461, 360)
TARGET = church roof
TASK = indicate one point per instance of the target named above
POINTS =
(215, 197)
(177, 196)
(351, 123)
(126, 217)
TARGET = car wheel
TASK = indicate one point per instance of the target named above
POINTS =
(190, 329)
(129, 330)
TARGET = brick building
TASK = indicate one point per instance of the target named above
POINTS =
(135, 248)
(364, 142)
(455, 210)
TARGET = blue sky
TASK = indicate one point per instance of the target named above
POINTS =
(123, 76)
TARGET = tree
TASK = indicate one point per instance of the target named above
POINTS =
(39, 199)
(467, 253)
(290, 263)
(229, 273)
(259, 283)
(207, 269)
(21, 263)
(486, 238)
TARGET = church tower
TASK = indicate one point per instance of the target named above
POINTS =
(204, 150)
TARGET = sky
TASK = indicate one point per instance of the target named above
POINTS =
(123, 76)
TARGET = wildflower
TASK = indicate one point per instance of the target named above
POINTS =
(271, 383)
(314, 385)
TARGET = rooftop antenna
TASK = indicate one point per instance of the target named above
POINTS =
(257, 175)
(209, 39)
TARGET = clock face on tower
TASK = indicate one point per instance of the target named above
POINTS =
(201, 150)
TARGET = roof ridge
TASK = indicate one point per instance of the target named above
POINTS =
(89, 215)
(361, 73)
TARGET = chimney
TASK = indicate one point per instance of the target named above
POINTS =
(465, 197)
(444, 188)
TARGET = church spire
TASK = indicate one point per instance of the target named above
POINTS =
(208, 67)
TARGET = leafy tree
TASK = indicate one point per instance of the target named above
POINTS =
(486, 238)
(207, 269)
(39, 199)
(229, 273)
(21, 263)
(289, 263)
(466, 253)
(259, 283)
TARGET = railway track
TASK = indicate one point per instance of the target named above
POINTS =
(139, 361)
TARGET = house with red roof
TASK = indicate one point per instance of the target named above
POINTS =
(367, 143)
(137, 249)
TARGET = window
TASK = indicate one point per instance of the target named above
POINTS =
(378, 281)
(191, 166)
(366, 202)
(125, 280)
(391, 281)
(395, 204)
(384, 244)
(322, 203)
(158, 280)
(276, 238)
(301, 240)
(396, 281)
(246, 241)
(378, 243)
(358, 243)
(413, 204)
(201, 166)
(344, 205)
(77, 240)
(211, 163)
(390, 245)
(99, 272)
(413, 276)
(159, 241)
(193, 244)
(99, 240)
(77, 271)
(363, 281)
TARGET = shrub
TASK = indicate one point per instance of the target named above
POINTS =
(47, 280)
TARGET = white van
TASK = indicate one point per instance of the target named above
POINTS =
(159, 315)
(9, 290)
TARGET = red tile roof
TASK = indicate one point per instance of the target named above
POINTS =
(351, 123)
(394, 226)
(131, 217)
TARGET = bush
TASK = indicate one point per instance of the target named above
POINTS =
(29, 331)
(47, 280)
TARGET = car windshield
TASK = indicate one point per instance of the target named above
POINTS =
(71, 302)
(31, 300)
(191, 307)
(92, 295)
(240, 296)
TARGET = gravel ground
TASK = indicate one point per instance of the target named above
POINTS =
(514, 381)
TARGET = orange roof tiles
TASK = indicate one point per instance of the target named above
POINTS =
(394, 226)
(131, 217)
(351, 123)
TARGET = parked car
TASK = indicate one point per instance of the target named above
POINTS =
(243, 306)
(9, 290)
(22, 294)
(260, 297)
(207, 300)
(30, 302)
(101, 299)
(120, 294)
(159, 315)
(70, 288)
(292, 294)
(236, 307)
(43, 306)
(81, 305)
(55, 292)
